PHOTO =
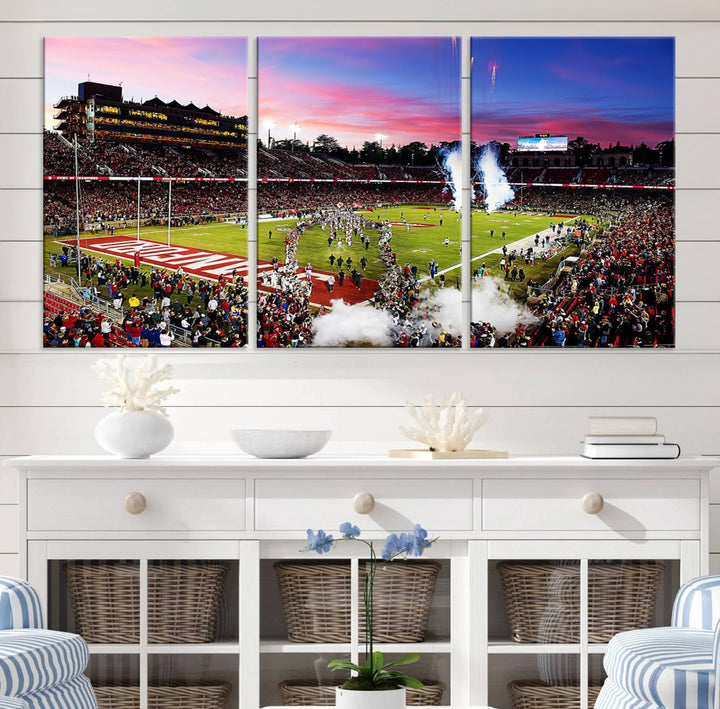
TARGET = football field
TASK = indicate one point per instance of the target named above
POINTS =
(422, 239)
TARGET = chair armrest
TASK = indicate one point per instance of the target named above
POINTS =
(697, 604)
(19, 605)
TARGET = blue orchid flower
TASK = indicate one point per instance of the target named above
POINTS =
(419, 541)
(349, 531)
(392, 547)
(411, 543)
(321, 543)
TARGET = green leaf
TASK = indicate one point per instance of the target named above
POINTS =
(343, 665)
(404, 679)
(378, 660)
(404, 660)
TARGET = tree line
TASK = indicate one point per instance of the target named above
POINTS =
(419, 153)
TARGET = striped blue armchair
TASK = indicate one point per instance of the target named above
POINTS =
(668, 668)
(39, 669)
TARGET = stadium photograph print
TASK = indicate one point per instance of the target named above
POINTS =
(358, 192)
(573, 227)
(145, 192)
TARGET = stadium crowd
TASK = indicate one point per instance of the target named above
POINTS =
(619, 294)
(582, 200)
(199, 312)
(104, 203)
(144, 160)
(116, 202)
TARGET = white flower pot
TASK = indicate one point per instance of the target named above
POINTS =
(382, 699)
(134, 434)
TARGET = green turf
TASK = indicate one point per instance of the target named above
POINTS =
(415, 246)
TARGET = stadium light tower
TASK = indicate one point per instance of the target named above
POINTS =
(380, 137)
(269, 125)
(295, 128)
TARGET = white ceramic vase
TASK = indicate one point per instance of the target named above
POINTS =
(382, 699)
(134, 434)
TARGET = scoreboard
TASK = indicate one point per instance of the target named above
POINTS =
(542, 142)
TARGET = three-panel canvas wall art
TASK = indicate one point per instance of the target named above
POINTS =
(356, 235)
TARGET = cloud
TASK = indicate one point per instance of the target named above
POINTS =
(205, 70)
(507, 125)
(354, 113)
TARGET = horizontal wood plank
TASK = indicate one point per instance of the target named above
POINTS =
(8, 529)
(22, 102)
(697, 105)
(387, 378)
(10, 565)
(22, 211)
(21, 43)
(22, 265)
(694, 166)
(223, 11)
(21, 329)
(8, 485)
(696, 271)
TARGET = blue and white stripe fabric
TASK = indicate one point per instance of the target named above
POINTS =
(13, 703)
(613, 696)
(665, 667)
(33, 660)
(697, 604)
(75, 694)
(19, 605)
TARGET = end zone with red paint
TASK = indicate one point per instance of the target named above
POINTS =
(211, 265)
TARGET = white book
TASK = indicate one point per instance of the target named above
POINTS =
(622, 426)
(630, 451)
(605, 440)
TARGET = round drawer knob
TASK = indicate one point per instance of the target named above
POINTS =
(135, 503)
(592, 502)
(363, 503)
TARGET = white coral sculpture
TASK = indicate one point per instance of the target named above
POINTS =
(443, 426)
(135, 389)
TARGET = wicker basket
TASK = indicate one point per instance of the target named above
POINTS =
(183, 600)
(203, 695)
(542, 599)
(316, 600)
(538, 695)
(297, 693)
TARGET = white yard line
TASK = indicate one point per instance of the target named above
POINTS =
(524, 242)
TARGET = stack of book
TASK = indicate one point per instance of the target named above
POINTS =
(626, 437)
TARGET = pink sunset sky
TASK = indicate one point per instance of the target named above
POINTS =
(204, 70)
(354, 88)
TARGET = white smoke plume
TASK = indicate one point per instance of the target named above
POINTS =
(451, 164)
(444, 306)
(491, 303)
(347, 325)
(495, 183)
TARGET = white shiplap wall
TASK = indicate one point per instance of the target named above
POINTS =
(538, 401)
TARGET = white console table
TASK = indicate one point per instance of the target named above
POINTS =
(252, 512)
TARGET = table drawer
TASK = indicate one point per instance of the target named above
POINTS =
(170, 504)
(627, 505)
(286, 505)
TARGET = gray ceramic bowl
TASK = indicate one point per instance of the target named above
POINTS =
(270, 443)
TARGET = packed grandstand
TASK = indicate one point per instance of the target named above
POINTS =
(618, 290)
